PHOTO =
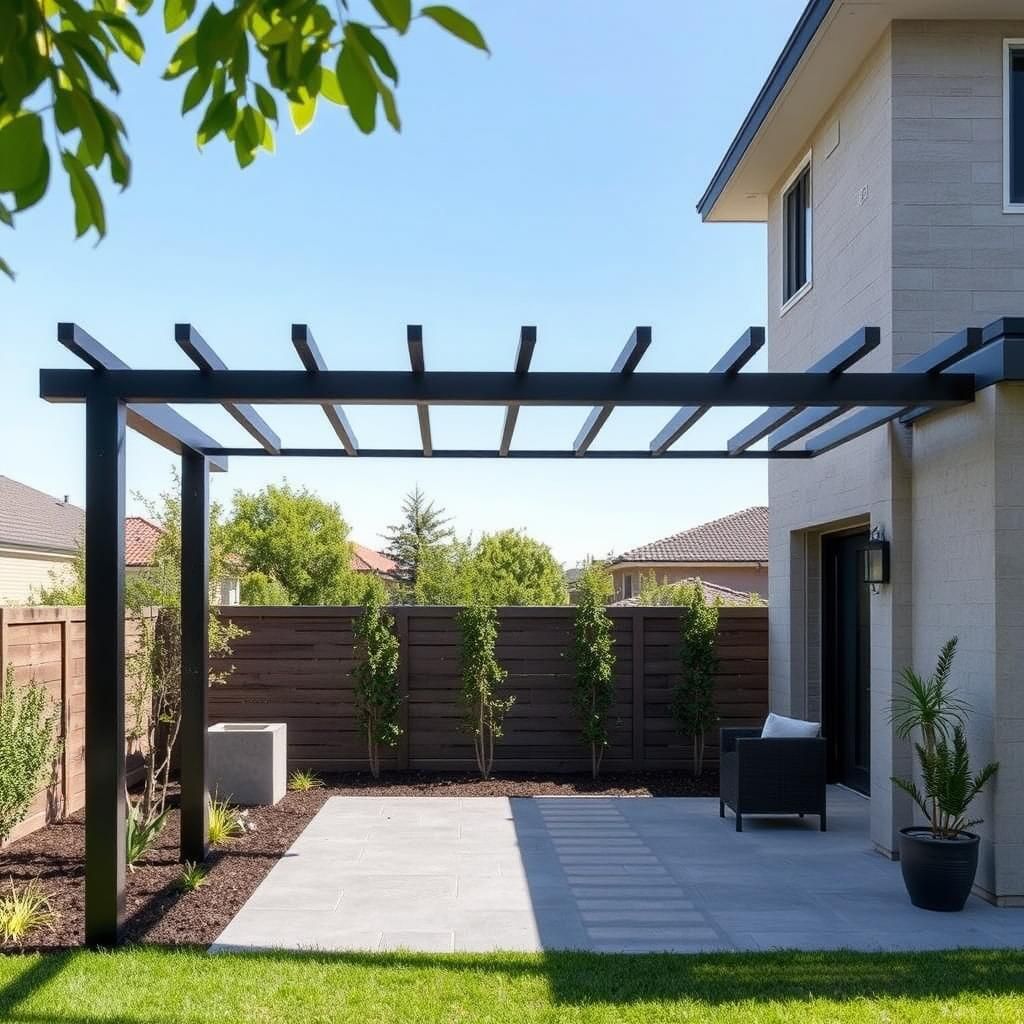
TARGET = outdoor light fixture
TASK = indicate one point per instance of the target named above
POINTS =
(876, 559)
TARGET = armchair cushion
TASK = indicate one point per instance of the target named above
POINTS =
(780, 727)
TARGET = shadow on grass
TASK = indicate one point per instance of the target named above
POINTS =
(572, 979)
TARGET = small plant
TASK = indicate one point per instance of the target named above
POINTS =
(24, 910)
(193, 876)
(303, 781)
(140, 835)
(693, 701)
(595, 660)
(376, 678)
(928, 705)
(29, 745)
(226, 822)
(484, 710)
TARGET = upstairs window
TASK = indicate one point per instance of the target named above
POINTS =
(1013, 125)
(796, 234)
(627, 586)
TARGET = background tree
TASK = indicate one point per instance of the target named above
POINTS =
(693, 700)
(58, 56)
(263, 590)
(595, 659)
(679, 595)
(484, 710)
(376, 676)
(443, 575)
(423, 527)
(511, 568)
(298, 539)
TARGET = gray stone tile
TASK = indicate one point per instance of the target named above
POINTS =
(422, 942)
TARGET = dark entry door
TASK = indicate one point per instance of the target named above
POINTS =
(846, 662)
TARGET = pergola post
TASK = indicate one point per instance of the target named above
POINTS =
(195, 615)
(105, 798)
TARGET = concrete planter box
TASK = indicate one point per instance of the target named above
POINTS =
(247, 762)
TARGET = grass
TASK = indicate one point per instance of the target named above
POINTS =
(156, 986)
(225, 822)
(303, 781)
(23, 909)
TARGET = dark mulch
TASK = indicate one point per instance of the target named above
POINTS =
(157, 911)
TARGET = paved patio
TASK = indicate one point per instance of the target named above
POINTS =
(607, 874)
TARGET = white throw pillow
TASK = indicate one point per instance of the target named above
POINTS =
(780, 727)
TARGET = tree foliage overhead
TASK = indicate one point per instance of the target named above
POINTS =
(424, 527)
(238, 66)
(297, 539)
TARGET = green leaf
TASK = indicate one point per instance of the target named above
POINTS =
(6, 269)
(457, 24)
(126, 35)
(358, 87)
(243, 153)
(98, 62)
(33, 192)
(5, 216)
(88, 205)
(329, 87)
(183, 59)
(92, 131)
(196, 89)
(266, 102)
(176, 13)
(387, 98)
(22, 152)
(397, 13)
(220, 114)
(302, 110)
(279, 32)
(252, 125)
(375, 49)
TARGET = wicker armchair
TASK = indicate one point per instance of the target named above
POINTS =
(771, 776)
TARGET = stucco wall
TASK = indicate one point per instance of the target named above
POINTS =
(746, 579)
(23, 573)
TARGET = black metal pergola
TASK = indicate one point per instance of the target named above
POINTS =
(823, 407)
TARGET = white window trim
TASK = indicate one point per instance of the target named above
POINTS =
(1008, 46)
(803, 165)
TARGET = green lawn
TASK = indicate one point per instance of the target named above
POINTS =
(150, 986)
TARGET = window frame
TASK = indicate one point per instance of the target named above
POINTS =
(1009, 46)
(805, 165)
(627, 584)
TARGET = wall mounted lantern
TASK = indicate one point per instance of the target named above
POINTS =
(876, 559)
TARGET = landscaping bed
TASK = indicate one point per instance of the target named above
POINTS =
(158, 911)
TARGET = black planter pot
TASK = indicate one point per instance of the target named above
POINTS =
(938, 873)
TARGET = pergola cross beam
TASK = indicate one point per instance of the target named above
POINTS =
(631, 354)
(524, 355)
(309, 353)
(418, 363)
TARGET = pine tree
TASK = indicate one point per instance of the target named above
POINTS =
(424, 526)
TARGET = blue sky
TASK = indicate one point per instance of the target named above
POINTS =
(553, 183)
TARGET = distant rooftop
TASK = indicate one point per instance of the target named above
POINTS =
(739, 537)
(141, 537)
(365, 559)
(712, 592)
(34, 519)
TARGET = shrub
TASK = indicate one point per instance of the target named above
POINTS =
(28, 747)
(193, 876)
(693, 701)
(24, 910)
(140, 834)
(595, 660)
(303, 781)
(376, 678)
(226, 822)
(484, 710)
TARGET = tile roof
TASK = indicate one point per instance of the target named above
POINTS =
(712, 592)
(30, 518)
(739, 537)
(140, 540)
(365, 559)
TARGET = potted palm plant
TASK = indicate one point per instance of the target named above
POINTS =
(939, 860)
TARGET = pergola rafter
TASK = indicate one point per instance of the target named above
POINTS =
(117, 396)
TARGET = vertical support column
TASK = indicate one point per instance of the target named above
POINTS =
(195, 617)
(104, 669)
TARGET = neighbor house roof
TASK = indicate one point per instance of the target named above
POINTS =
(33, 519)
(712, 592)
(365, 559)
(739, 537)
(140, 540)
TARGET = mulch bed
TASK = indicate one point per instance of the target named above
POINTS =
(158, 912)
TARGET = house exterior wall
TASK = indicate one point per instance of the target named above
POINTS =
(748, 579)
(909, 233)
(23, 572)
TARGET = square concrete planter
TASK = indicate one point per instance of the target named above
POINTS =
(247, 762)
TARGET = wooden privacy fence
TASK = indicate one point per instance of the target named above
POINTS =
(47, 645)
(295, 666)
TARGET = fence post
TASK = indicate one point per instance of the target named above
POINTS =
(639, 754)
(402, 623)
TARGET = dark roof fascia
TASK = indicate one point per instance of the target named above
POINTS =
(810, 21)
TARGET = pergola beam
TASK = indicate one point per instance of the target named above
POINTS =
(414, 340)
(313, 361)
(494, 453)
(738, 355)
(833, 363)
(195, 346)
(631, 354)
(524, 355)
(160, 423)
